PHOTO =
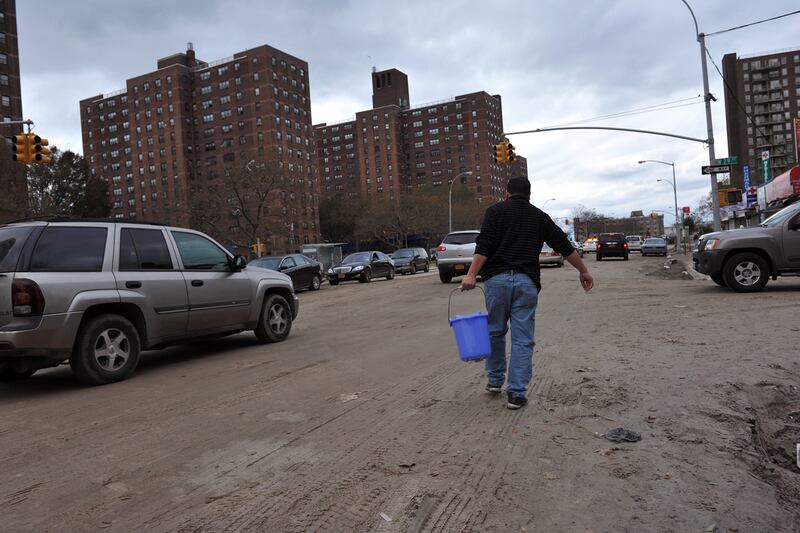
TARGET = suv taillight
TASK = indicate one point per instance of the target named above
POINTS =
(26, 298)
(598, 245)
(625, 245)
(441, 248)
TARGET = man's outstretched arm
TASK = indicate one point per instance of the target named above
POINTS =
(468, 282)
(587, 282)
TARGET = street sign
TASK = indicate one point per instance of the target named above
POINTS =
(728, 160)
(686, 210)
(716, 169)
(766, 167)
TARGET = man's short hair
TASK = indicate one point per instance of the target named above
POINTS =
(519, 185)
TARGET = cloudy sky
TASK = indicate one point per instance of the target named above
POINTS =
(553, 62)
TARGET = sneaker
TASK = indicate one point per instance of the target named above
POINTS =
(515, 402)
(494, 389)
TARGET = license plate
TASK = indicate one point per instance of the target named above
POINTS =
(341, 276)
(459, 267)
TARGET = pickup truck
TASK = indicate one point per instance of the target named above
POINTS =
(745, 259)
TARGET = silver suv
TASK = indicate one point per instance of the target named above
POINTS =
(96, 293)
(745, 259)
(454, 255)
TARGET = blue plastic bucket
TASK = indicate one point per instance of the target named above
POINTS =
(472, 334)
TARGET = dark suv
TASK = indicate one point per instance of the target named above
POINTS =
(411, 260)
(612, 245)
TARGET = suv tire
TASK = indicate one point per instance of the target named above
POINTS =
(718, 279)
(445, 278)
(745, 272)
(275, 321)
(91, 360)
(427, 266)
(598, 257)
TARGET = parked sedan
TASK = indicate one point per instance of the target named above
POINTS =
(654, 246)
(411, 260)
(548, 256)
(361, 266)
(304, 271)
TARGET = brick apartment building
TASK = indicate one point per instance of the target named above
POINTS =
(12, 175)
(175, 142)
(767, 88)
(393, 147)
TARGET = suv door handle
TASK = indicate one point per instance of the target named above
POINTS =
(197, 283)
(133, 284)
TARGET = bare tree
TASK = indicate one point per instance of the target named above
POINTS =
(246, 204)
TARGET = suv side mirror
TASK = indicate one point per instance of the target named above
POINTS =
(238, 262)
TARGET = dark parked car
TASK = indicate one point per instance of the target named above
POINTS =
(654, 246)
(362, 266)
(411, 260)
(304, 271)
(612, 245)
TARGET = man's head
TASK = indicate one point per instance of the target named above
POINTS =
(519, 186)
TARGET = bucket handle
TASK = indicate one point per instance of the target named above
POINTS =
(450, 298)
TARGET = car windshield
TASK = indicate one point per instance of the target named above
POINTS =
(400, 254)
(655, 241)
(460, 238)
(780, 217)
(271, 263)
(362, 257)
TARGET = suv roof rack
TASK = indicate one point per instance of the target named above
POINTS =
(77, 219)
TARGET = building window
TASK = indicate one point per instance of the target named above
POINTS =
(3, 59)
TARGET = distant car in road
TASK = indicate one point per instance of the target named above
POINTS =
(744, 260)
(361, 266)
(590, 245)
(578, 247)
(97, 293)
(305, 272)
(611, 245)
(654, 246)
(454, 255)
(548, 256)
(411, 260)
(634, 243)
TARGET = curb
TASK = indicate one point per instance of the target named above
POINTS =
(688, 266)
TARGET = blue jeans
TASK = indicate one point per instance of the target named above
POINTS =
(514, 297)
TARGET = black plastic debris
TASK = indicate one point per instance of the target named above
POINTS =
(623, 435)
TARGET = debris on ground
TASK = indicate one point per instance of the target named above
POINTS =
(386, 517)
(623, 435)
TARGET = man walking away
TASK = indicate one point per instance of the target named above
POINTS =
(507, 258)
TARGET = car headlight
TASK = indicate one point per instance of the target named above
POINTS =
(330, 271)
(357, 268)
(712, 244)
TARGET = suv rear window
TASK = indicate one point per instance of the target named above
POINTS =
(612, 237)
(11, 241)
(65, 249)
(460, 238)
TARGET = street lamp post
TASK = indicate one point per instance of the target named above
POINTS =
(450, 197)
(712, 159)
(545, 202)
(674, 191)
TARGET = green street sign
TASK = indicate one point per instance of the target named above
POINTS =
(766, 170)
(728, 160)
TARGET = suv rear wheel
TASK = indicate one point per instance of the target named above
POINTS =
(445, 278)
(275, 322)
(746, 272)
(106, 350)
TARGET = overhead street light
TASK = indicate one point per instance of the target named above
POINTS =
(674, 191)
(545, 202)
(450, 197)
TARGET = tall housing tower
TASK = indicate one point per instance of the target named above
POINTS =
(12, 175)
(184, 144)
(762, 101)
(394, 147)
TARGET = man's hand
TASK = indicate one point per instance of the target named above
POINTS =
(587, 282)
(468, 283)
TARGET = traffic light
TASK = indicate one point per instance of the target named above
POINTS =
(729, 196)
(510, 155)
(654, 215)
(39, 152)
(566, 221)
(21, 146)
(500, 153)
(257, 249)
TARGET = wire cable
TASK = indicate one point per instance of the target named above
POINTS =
(636, 111)
(753, 23)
